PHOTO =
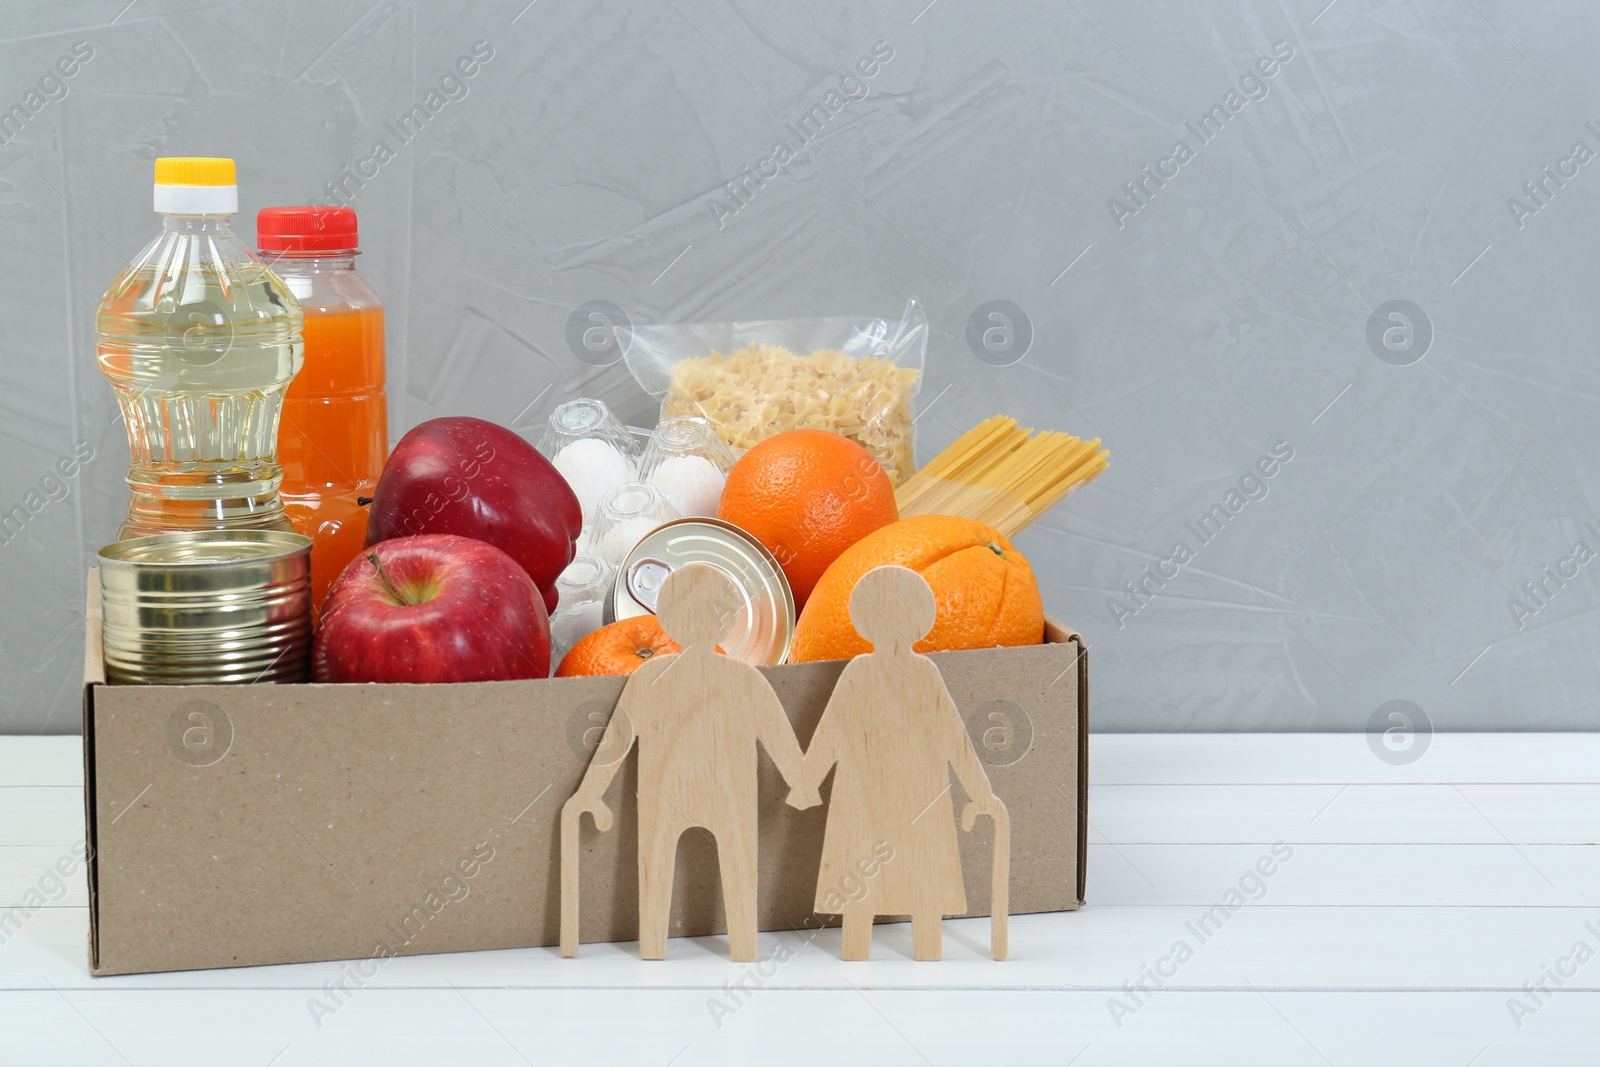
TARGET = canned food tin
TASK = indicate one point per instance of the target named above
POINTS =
(765, 621)
(207, 607)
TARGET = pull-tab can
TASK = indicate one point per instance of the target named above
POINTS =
(764, 623)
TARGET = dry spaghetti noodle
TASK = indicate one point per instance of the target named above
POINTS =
(1002, 475)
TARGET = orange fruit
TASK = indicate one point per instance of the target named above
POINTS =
(985, 590)
(807, 495)
(620, 648)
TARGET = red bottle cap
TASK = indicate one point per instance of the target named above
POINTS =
(306, 229)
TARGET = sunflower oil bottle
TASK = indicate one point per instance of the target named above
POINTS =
(200, 340)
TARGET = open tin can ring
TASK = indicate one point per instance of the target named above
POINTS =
(207, 607)
(764, 624)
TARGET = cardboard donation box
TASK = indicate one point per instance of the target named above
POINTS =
(243, 825)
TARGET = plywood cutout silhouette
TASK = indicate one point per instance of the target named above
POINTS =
(894, 733)
(696, 716)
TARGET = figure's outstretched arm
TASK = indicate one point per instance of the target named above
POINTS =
(964, 760)
(824, 750)
(614, 746)
(776, 735)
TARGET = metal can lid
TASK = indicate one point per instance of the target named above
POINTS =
(764, 624)
(190, 577)
(194, 548)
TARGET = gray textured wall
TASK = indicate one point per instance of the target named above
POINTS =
(1197, 327)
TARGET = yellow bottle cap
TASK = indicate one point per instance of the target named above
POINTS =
(195, 185)
(194, 170)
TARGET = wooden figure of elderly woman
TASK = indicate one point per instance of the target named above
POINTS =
(893, 731)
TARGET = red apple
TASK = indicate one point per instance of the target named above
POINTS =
(465, 476)
(432, 608)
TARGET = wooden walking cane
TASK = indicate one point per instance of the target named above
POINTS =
(571, 812)
(1000, 884)
(569, 881)
(1000, 890)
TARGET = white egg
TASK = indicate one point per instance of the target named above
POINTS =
(591, 466)
(617, 542)
(692, 484)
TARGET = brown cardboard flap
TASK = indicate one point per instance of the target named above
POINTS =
(94, 675)
(1059, 633)
(314, 822)
(94, 663)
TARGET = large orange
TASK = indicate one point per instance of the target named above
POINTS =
(807, 495)
(985, 590)
(620, 648)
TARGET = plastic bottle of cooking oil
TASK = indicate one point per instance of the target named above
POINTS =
(335, 432)
(199, 339)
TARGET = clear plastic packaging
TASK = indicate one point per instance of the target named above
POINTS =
(750, 380)
(583, 586)
(592, 449)
(624, 516)
(688, 462)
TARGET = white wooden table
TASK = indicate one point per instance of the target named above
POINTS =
(1406, 909)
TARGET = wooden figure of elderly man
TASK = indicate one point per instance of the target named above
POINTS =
(696, 716)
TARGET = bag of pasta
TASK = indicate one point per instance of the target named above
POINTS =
(750, 380)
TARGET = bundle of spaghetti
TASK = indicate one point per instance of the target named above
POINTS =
(1002, 475)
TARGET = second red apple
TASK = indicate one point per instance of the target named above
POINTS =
(466, 476)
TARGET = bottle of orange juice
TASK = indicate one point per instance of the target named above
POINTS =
(334, 434)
